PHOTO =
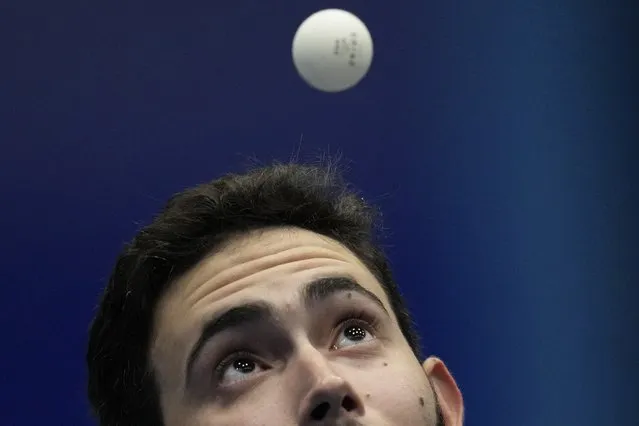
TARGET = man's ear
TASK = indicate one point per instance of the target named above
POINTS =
(448, 394)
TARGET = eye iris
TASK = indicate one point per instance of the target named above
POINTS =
(355, 333)
(243, 365)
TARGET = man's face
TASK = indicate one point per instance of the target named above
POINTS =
(286, 327)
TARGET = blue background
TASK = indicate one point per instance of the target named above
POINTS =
(497, 136)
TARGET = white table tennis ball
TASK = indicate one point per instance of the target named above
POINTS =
(332, 50)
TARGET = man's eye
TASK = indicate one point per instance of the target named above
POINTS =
(353, 333)
(238, 367)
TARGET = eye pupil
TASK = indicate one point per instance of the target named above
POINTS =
(355, 333)
(244, 365)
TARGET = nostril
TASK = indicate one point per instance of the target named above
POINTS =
(320, 411)
(349, 403)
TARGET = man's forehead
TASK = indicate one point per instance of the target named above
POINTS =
(242, 249)
(265, 241)
(249, 261)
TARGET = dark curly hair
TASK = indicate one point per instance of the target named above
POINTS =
(121, 385)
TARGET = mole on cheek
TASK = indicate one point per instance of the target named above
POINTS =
(349, 295)
(385, 364)
(368, 395)
(421, 401)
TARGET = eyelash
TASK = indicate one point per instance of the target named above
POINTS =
(349, 318)
(362, 318)
(228, 360)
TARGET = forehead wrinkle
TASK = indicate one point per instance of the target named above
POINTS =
(235, 286)
(220, 276)
(246, 247)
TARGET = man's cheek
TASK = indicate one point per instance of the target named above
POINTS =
(395, 390)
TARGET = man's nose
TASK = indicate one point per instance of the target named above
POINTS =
(330, 396)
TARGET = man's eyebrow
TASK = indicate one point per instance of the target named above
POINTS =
(238, 316)
(321, 289)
